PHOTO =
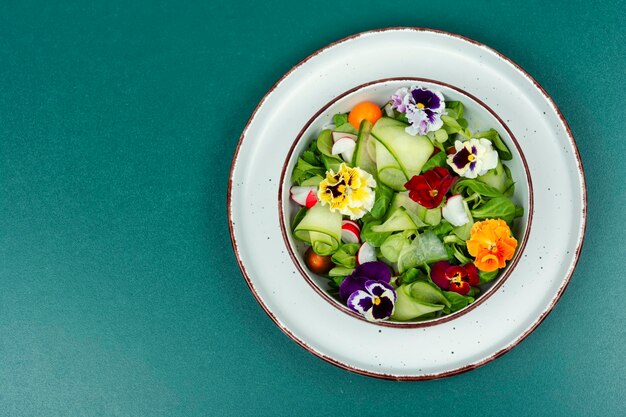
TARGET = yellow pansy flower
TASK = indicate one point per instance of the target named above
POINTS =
(349, 191)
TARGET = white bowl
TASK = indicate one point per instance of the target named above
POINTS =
(479, 116)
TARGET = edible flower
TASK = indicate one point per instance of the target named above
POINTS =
(458, 279)
(429, 188)
(492, 244)
(348, 191)
(423, 108)
(375, 302)
(368, 271)
(473, 157)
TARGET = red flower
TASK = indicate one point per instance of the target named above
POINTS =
(453, 277)
(429, 188)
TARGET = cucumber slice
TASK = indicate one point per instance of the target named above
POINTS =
(402, 199)
(426, 248)
(432, 217)
(407, 308)
(410, 152)
(389, 171)
(392, 177)
(496, 177)
(397, 222)
(426, 292)
(321, 228)
(393, 245)
(361, 156)
(413, 209)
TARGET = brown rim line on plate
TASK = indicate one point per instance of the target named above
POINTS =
(468, 367)
(408, 324)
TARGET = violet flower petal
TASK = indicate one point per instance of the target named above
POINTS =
(381, 289)
(351, 284)
(383, 310)
(375, 271)
(360, 301)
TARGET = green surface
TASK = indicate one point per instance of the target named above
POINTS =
(119, 293)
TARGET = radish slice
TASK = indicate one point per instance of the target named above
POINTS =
(350, 232)
(304, 195)
(367, 253)
(341, 135)
(345, 147)
(454, 211)
(353, 223)
(311, 199)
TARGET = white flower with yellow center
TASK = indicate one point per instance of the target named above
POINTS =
(473, 157)
(349, 191)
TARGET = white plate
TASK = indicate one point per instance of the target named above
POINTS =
(471, 339)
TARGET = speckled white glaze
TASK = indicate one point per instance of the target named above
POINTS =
(514, 309)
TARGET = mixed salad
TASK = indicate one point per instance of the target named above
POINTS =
(406, 211)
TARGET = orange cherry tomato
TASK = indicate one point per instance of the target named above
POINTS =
(317, 263)
(364, 111)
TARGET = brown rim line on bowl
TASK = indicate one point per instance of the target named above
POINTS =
(409, 324)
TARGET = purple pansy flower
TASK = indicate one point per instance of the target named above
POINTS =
(375, 302)
(369, 271)
(398, 99)
(423, 108)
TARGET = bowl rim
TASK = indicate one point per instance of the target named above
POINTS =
(473, 365)
(398, 324)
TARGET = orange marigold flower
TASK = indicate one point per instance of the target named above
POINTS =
(491, 244)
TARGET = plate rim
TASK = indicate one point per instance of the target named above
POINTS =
(471, 366)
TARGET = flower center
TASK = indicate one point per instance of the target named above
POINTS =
(492, 247)
(376, 300)
(433, 193)
(456, 278)
(420, 106)
(471, 157)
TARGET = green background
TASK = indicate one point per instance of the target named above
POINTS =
(119, 291)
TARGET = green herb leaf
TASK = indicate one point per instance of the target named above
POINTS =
(309, 156)
(330, 163)
(299, 216)
(457, 301)
(475, 186)
(340, 272)
(305, 170)
(451, 123)
(346, 128)
(485, 277)
(460, 255)
(456, 107)
(373, 238)
(437, 160)
(382, 200)
(413, 275)
(325, 142)
(496, 208)
(509, 184)
(340, 118)
(503, 151)
(443, 228)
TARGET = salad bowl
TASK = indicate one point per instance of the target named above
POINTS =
(550, 188)
(479, 116)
